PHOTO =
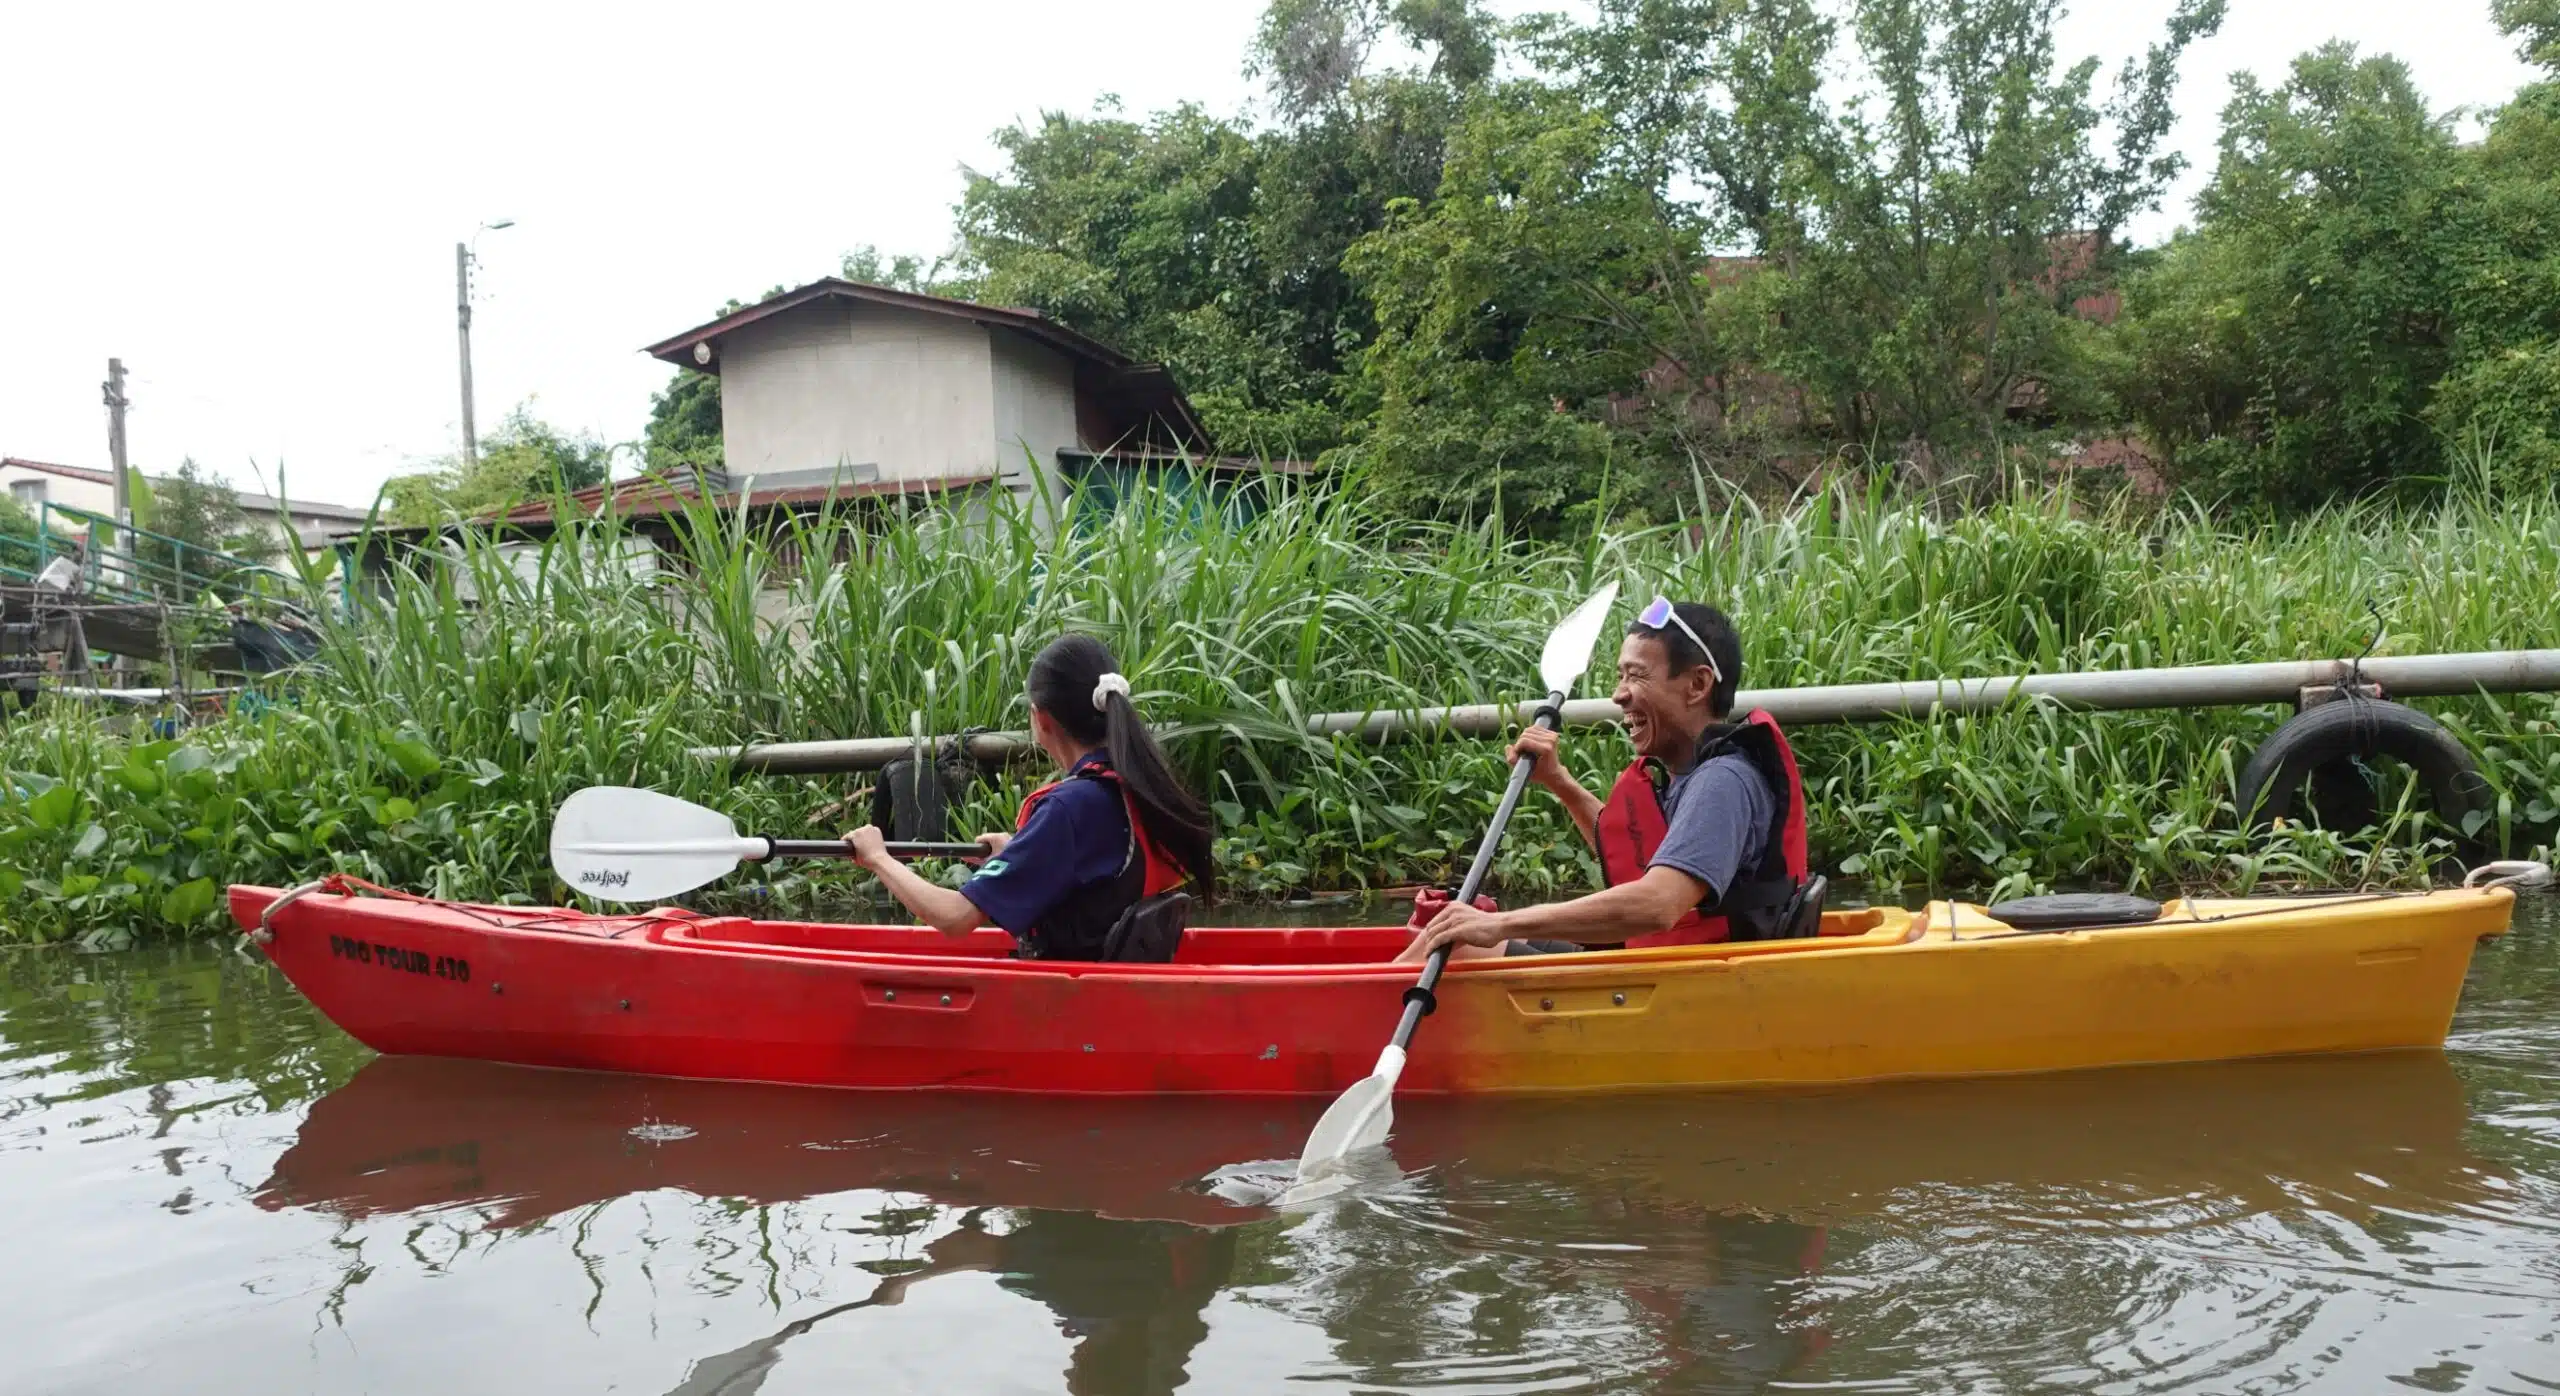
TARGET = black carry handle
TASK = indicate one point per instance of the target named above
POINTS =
(838, 848)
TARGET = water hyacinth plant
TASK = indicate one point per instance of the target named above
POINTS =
(456, 703)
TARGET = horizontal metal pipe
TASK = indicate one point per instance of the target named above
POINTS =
(2197, 686)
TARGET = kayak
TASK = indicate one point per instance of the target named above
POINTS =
(1882, 993)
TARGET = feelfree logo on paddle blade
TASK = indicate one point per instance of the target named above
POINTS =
(605, 877)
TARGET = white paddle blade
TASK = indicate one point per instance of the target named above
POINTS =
(1358, 1119)
(618, 844)
(1568, 650)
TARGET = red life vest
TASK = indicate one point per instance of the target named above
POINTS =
(1631, 826)
(1080, 925)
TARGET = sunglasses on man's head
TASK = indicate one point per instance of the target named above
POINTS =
(1660, 614)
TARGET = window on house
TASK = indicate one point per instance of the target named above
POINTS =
(27, 492)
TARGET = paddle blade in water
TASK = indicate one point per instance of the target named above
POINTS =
(1568, 650)
(618, 844)
(1359, 1119)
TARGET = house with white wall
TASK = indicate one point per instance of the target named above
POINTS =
(841, 392)
(839, 382)
(299, 523)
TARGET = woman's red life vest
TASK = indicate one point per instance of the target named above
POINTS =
(1079, 926)
(1631, 826)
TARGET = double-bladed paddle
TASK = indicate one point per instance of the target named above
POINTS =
(619, 844)
(1360, 1118)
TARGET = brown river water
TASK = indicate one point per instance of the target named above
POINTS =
(204, 1187)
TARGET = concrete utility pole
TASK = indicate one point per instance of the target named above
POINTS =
(464, 254)
(462, 313)
(117, 402)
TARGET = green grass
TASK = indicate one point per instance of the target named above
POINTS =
(431, 746)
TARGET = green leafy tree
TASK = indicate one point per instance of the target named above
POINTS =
(202, 512)
(18, 551)
(1519, 313)
(1926, 227)
(1143, 235)
(525, 457)
(684, 425)
(547, 456)
(1315, 55)
(2499, 402)
(902, 272)
(2360, 290)
(1217, 249)
(1682, 250)
(2534, 25)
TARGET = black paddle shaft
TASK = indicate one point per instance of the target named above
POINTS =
(1420, 1000)
(838, 848)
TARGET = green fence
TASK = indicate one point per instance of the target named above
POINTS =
(118, 562)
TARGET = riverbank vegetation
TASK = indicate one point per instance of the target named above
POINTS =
(1530, 263)
(1826, 312)
(428, 746)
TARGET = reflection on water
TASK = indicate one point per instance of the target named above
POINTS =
(208, 1189)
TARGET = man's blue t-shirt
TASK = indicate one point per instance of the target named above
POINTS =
(1078, 835)
(1717, 813)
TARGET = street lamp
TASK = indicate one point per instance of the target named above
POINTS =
(464, 254)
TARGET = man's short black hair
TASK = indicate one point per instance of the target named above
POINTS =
(1714, 627)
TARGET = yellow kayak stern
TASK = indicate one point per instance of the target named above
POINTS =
(1949, 991)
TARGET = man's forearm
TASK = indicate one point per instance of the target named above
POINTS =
(1642, 907)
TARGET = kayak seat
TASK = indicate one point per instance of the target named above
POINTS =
(1150, 932)
(1804, 917)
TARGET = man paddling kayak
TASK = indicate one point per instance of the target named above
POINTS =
(1701, 838)
(1091, 868)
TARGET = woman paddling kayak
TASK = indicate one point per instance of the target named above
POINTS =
(1091, 867)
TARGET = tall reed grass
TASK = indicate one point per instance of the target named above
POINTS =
(461, 701)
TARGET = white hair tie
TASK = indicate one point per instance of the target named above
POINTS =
(1107, 685)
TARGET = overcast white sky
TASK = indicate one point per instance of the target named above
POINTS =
(255, 205)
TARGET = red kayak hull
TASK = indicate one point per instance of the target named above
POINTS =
(888, 1008)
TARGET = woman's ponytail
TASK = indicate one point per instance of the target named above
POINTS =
(1175, 818)
(1078, 684)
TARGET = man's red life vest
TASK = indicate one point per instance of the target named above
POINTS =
(1080, 925)
(1631, 826)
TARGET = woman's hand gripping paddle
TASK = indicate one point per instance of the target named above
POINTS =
(618, 844)
(1361, 1117)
